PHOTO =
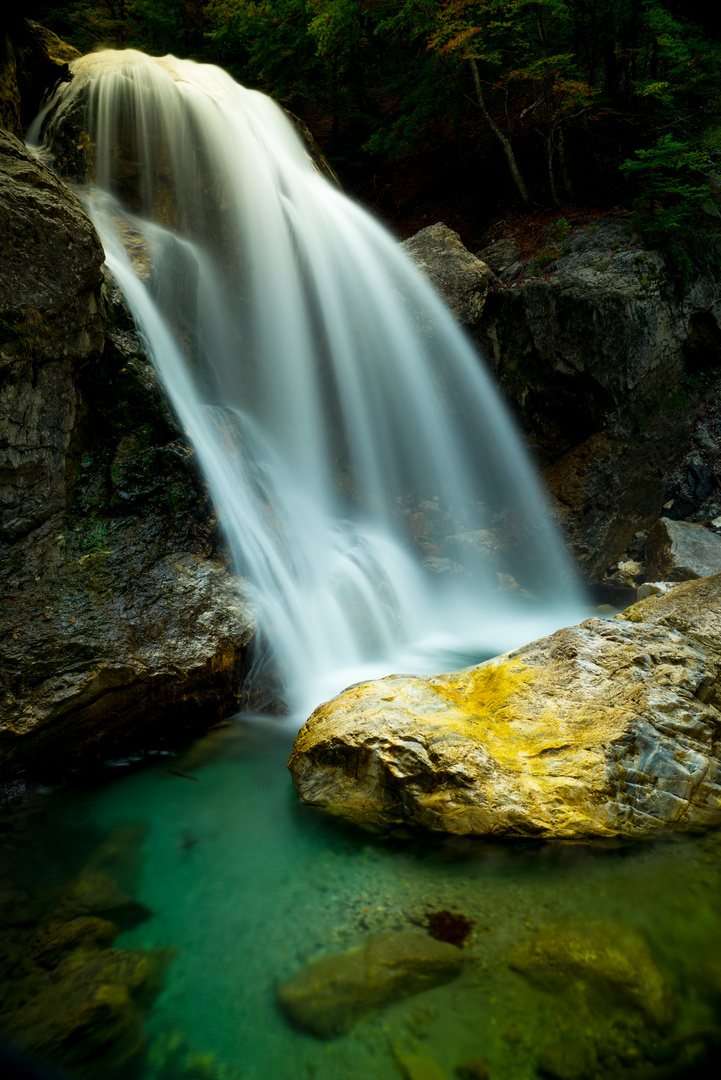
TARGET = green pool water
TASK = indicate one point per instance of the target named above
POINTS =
(248, 885)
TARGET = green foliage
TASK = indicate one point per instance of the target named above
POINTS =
(24, 329)
(90, 535)
(674, 189)
(542, 261)
(577, 89)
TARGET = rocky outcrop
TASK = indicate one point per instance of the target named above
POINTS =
(51, 326)
(9, 91)
(460, 277)
(33, 60)
(604, 729)
(120, 621)
(600, 353)
(330, 995)
(681, 551)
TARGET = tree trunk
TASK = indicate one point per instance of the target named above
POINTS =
(564, 164)
(504, 141)
(549, 159)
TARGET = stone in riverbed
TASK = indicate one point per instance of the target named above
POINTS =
(99, 895)
(89, 1018)
(606, 965)
(328, 996)
(59, 938)
(604, 729)
(565, 1060)
(418, 1067)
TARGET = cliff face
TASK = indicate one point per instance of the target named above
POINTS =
(120, 622)
(52, 326)
(604, 359)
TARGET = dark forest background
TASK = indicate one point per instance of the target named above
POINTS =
(467, 110)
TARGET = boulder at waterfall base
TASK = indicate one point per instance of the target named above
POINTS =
(605, 729)
(682, 550)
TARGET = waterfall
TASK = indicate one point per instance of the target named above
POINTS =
(368, 478)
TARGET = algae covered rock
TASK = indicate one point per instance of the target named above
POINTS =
(419, 1067)
(99, 895)
(607, 964)
(59, 938)
(329, 995)
(604, 729)
(565, 1060)
(88, 1018)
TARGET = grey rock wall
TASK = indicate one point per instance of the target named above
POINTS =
(51, 326)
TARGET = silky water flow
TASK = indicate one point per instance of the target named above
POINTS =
(330, 397)
(333, 405)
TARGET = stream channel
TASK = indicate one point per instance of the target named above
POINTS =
(246, 885)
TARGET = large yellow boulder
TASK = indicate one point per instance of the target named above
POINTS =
(603, 729)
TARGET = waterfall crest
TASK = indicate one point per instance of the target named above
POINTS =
(368, 478)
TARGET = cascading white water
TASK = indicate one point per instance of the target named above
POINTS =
(333, 403)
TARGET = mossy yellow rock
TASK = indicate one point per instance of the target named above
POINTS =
(603, 729)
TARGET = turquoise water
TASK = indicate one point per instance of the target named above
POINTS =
(249, 885)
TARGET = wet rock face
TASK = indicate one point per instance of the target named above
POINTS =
(106, 660)
(682, 550)
(120, 618)
(9, 92)
(51, 326)
(605, 729)
(572, 339)
(599, 354)
(328, 996)
(122, 622)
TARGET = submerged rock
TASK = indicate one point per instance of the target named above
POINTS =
(604, 729)
(50, 945)
(565, 1060)
(98, 894)
(607, 964)
(682, 550)
(329, 995)
(65, 996)
(419, 1067)
(88, 1018)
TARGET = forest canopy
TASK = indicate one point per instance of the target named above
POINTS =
(605, 100)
